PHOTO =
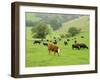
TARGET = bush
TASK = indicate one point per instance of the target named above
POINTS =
(41, 30)
(68, 35)
(62, 36)
(73, 31)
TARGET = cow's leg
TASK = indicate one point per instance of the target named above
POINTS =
(54, 53)
(58, 53)
(49, 52)
(86, 47)
(78, 48)
(72, 47)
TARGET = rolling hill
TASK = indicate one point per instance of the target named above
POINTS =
(81, 23)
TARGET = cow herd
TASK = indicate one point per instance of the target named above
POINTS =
(52, 47)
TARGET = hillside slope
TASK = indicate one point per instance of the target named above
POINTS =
(81, 23)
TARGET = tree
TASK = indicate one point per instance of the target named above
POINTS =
(41, 30)
(73, 31)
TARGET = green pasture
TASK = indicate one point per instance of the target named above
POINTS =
(37, 55)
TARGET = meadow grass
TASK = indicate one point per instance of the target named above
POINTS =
(37, 55)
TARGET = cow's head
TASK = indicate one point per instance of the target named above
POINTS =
(58, 50)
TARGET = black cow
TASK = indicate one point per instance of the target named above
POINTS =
(37, 42)
(45, 44)
(68, 39)
(82, 45)
(75, 41)
(65, 43)
(54, 37)
(77, 46)
(50, 40)
(82, 36)
(55, 42)
(59, 39)
(47, 40)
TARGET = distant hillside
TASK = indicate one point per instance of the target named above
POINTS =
(81, 23)
(31, 19)
(55, 20)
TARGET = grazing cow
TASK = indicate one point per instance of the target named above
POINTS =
(55, 42)
(53, 48)
(77, 46)
(82, 36)
(50, 40)
(59, 39)
(75, 41)
(68, 39)
(37, 41)
(82, 45)
(54, 37)
(45, 44)
(47, 40)
(65, 42)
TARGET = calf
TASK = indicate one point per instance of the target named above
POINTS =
(53, 48)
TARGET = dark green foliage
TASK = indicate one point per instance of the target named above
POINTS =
(73, 31)
(62, 36)
(30, 23)
(55, 23)
(68, 35)
(40, 30)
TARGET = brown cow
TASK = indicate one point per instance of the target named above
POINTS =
(53, 48)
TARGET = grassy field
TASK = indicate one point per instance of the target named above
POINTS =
(37, 55)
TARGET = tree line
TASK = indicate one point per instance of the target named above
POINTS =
(44, 24)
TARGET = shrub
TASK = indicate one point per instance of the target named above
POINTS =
(73, 31)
